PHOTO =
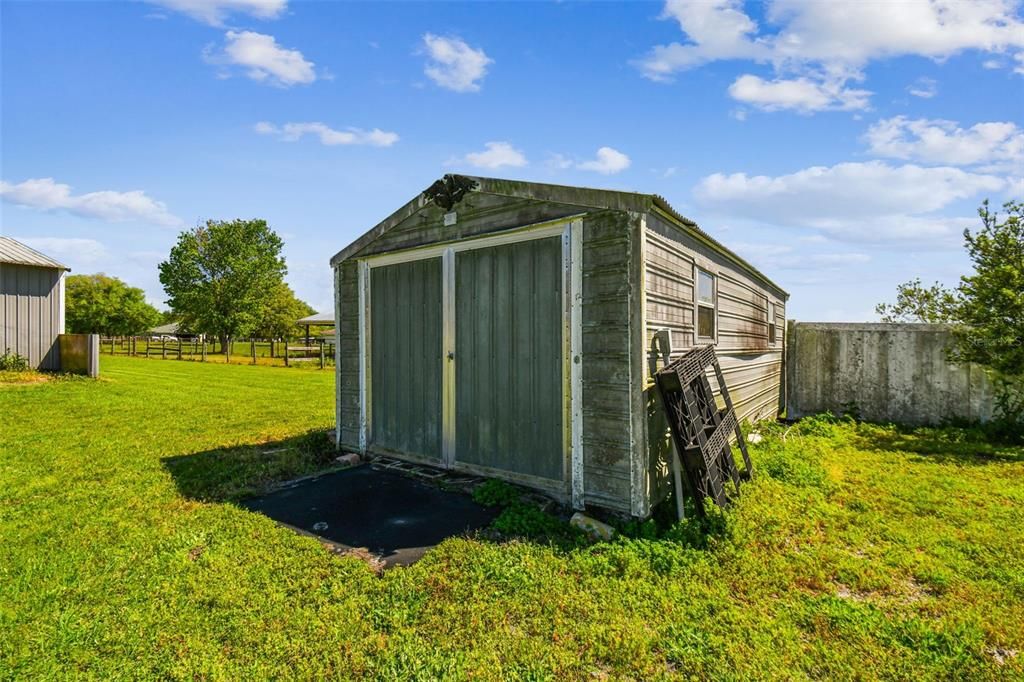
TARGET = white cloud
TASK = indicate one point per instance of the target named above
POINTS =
(607, 162)
(924, 87)
(263, 59)
(453, 64)
(776, 256)
(801, 94)
(291, 132)
(864, 202)
(495, 155)
(67, 250)
(214, 12)
(992, 64)
(558, 162)
(46, 195)
(944, 142)
(831, 42)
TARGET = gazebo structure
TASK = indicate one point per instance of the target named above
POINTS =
(316, 320)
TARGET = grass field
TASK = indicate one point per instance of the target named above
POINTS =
(859, 552)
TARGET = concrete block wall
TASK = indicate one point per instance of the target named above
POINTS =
(890, 372)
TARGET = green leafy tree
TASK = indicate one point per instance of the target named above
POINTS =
(280, 314)
(221, 276)
(990, 301)
(99, 304)
(987, 308)
(918, 303)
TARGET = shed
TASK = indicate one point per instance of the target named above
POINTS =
(31, 304)
(512, 329)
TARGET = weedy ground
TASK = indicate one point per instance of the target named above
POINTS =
(859, 551)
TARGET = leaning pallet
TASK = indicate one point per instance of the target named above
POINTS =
(701, 431)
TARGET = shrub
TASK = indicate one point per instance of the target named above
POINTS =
(494, 493)
(12, 362)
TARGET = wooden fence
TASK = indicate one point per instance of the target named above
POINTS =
(252, 351)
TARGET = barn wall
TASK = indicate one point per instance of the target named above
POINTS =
(31, 313)
(751, 366)
(347, 353)
(608, 291)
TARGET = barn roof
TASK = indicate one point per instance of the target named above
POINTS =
(16, 253)
(564, 194)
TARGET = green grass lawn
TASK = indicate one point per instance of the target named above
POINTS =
(859, 551)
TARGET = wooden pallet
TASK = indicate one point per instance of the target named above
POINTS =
(701, 431)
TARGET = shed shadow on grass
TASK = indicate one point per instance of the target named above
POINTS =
(365, 509)
(232, 473)
(940, 445)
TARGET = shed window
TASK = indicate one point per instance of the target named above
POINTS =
(771, 323)
(705, 305)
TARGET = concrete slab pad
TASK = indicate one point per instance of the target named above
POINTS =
(391, 515)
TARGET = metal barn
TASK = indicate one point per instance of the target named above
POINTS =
(512, 329)
(31, 304)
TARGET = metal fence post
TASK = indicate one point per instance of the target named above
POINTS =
(321, 356)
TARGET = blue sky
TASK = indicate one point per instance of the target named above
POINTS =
(840, 147)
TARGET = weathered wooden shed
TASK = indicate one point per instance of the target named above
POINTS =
(31, 304)
(512, 329)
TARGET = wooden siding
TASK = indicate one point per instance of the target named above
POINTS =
(607, 303)
(347, 353)
(477, 215)
(751, 366)
(31, 313)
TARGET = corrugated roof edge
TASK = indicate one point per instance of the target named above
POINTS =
(16, 253)
(568, 194)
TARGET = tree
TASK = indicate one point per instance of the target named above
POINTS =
(917, 303)
(98, 304)
(221, 276)
(990, 302)
(987, 309)
(280, 314)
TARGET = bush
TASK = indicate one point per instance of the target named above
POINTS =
(494, 493)
(12, 362)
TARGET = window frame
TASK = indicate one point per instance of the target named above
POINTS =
(773, 335)
(698, 304)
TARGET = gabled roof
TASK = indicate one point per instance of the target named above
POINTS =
(169, 328)
(16, 253)
(320, 319)
(563, 194)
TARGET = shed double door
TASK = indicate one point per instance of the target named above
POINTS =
(502, 360)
